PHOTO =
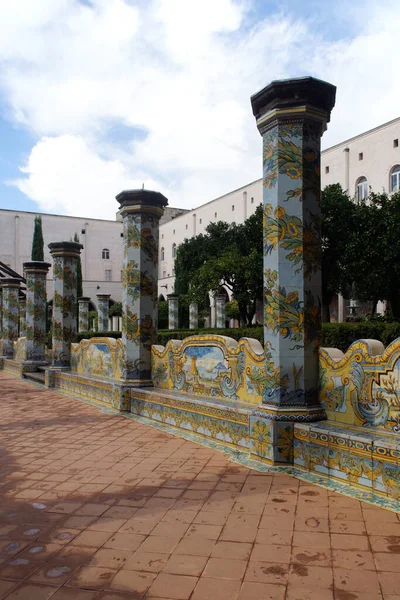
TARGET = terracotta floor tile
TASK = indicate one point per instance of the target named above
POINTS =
(225, 568)
(135, 582)
(354, 559)
(30, 591)
(71, 594)
(216, 589)
(262, 591)
(125, 541)
(384, 562)
(356, 581)
(294, 592)
(151, 562)
(179, 564)
(274, 537)
(271, 553)
(349, 542)
(179, 516)
(173, 587)
(6, 586)
(266, 572)
(319, 557)
(195, 546)
(310, 576)
(390, 543)
(111, 558)
(171, 530)
(52, 573)
(66, 508)
(92, 510)
(389, 583)
(106, 524)
(349, 527)
(92, 578)
(211, 532)
(79, 522)
(236, 550)
(136, 526)
(153, 543)
(92, 538)
(311, 540)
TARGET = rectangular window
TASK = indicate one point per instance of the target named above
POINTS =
(164, 273)
(361, 156)
(121, 275)
(122, 235)
(396, 143)
(233, 207)
(108, 274)
(215, 215)
(252, 200)
(200, 221)
(326, 170)
(186, 226)
(162, 236)
(174, 231)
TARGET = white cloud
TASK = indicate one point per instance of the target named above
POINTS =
(183, 72)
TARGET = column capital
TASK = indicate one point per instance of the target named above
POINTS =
(141, 201)
(299, 98)
(172, 296)
(72, 249)
(102, 297)
(84, 299)
(36, 266)
(10, 282)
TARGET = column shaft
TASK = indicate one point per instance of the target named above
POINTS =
(141, 211)
(173, 311)
(83, 313)
(193, 316)
(103, 301)
(22, 317)
(36, 297)
(10, 289)
(65, 257)
(220, 301)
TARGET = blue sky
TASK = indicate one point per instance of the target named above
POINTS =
(100, 95)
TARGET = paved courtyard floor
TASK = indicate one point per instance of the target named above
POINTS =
(95, 506)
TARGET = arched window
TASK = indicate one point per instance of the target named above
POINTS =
(362, 188)
(395, 179)
(173, 250)
(162, 254)
(105, 253)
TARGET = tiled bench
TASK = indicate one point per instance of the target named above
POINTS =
(367, 458)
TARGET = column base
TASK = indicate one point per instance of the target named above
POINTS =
(271, 431)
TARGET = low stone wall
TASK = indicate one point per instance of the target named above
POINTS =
(98, 357)
(211, 366)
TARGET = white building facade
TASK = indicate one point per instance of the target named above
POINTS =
(370, 160)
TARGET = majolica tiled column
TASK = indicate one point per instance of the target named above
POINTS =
(291, 117)
(10, 289)
(22, 317)
(220, 301)
(141, 211)
(193, 316)
(173, 311)
(1, 312)
(65, 259)
(83, 313)
(103, 302)
(36, 337)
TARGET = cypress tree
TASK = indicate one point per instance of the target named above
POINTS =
(79, 287)
(37, 243)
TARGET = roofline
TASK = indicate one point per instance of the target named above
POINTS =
(42, 214)
(360, 135)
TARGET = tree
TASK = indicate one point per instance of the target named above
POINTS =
(79, 285)
(227, 255)
(374, 250)
(338, 225)
(37, 242)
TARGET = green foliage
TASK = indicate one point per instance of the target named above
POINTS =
(163, 314)
(37, 242)
(342, 335)
(232, 310)
(116, 310)
(92, 316)
(338, 223)
(227, 255)
(79, 286)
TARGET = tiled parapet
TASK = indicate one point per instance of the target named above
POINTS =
(291, 116)
(103, 302)
(22, 317)
(220, 301)
(141, 211)
(10, 289)
(193, 315)
(36, 336)
(65, 259)
(83, 313)
(173, 311)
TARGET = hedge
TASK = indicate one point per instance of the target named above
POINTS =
(334, 335)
